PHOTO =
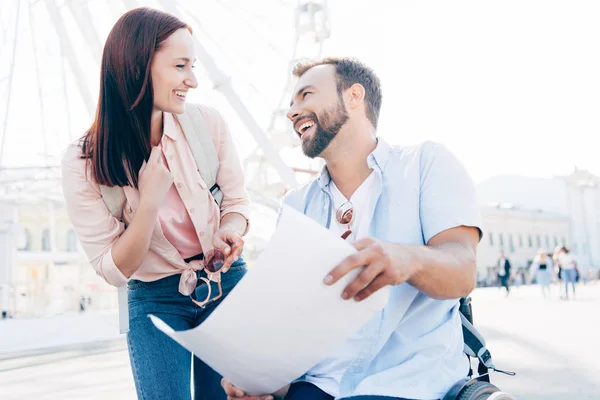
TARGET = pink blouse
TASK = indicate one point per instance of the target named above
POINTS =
(186, 222)
(176, 222)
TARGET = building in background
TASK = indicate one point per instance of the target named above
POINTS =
(519, 234)
(521, 215)
(46, 272)
(43, 270)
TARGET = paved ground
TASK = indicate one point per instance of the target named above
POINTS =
(19, 335)
(97, 371)
(553, 345)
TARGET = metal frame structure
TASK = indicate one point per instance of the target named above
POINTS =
(312, 28)
(10, 79)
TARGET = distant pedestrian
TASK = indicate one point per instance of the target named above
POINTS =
(82, 302)
(557, 267)
(541, 268)
(569, 273)
(503, 271)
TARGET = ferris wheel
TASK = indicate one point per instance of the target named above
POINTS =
(312, 28)
(50, 53)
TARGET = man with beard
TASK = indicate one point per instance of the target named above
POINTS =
(411, 214)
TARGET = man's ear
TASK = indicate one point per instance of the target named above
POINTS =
(356, 95)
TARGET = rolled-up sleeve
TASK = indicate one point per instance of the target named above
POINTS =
(230, 176)
(94, 225)
(448, 197)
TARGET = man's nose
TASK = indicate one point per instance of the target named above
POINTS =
(293, 114)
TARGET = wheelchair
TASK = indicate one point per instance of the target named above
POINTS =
(476, 387)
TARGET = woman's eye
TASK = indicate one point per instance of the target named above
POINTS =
(305, 94)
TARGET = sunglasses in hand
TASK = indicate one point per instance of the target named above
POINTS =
(214, 261)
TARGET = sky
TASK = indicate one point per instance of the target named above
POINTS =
(510, 87)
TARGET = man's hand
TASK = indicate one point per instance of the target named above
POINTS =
(233, 393)
(382, 263)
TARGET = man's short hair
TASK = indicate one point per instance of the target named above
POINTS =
(348, 72)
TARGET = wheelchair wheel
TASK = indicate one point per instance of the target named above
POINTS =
(478, 390)
(501, 396)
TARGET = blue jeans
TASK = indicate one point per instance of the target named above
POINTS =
(569, 276)
(162, 369)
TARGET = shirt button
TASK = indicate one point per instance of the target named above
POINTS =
(179, 185)
(192, 210)
(170, 157)
(201, 233)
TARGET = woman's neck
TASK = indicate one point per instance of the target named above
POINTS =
(156, 127)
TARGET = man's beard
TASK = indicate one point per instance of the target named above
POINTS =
(333, 120)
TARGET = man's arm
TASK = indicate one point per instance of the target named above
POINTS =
(444, 269)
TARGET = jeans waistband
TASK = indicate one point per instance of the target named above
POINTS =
(196, 257)
(173, 280)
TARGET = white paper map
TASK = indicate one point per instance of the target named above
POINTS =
(281, 319)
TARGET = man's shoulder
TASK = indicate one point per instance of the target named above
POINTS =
(416, 158)
(425, 159)
(295, 197)
(425, 148)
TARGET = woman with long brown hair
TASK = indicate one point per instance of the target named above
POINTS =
(175, 246)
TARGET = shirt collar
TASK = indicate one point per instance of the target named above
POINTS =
(376, 160)
(170, 126)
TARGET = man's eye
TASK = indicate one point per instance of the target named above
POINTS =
(305, 94)
(181, 66)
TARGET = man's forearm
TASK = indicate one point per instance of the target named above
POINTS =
(445, 271)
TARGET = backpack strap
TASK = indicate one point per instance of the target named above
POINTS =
(203, 148)
(114, 198)
(474, 343)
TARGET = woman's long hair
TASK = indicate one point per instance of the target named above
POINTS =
(118, 141)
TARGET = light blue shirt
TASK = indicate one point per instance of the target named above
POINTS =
(413, 348)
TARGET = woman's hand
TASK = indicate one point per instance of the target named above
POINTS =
(230, 243)
(155, 180)
(234, 393)
(238, 394)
